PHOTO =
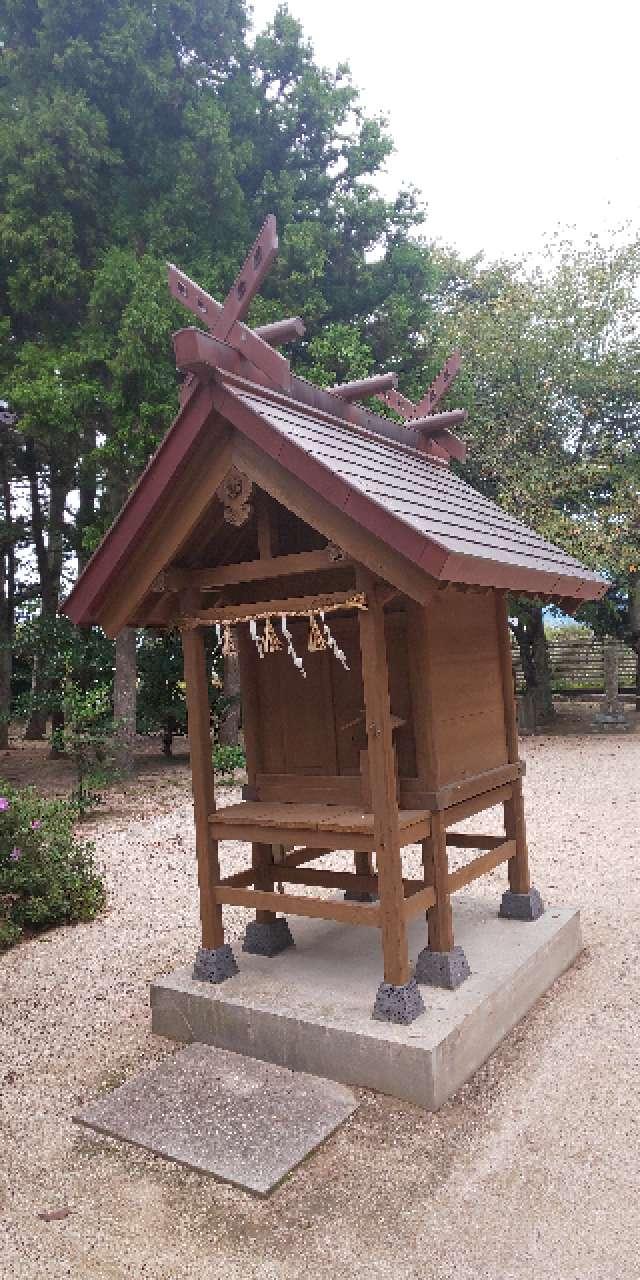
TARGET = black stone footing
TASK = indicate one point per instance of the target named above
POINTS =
(267, 938)
(442, 968)
(521, 906)
(398, 1004)
(215, 965)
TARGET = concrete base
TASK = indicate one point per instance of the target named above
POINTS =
(442, 968)
(310, 1007)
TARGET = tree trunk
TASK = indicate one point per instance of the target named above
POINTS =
(229, 731)
(634, 627)
(124, 700)
(534, 654)
(7, 586)
(48, 540)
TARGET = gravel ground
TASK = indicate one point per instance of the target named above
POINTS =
(531, 1170)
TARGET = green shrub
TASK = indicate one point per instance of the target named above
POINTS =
(227, 759)
(47, 876)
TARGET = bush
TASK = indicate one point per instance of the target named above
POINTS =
(87, 737)
(227, 759)
(47, 876)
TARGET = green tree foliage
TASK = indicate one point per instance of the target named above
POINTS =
(132, 133)
(551, 377)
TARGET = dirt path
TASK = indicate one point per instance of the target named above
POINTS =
(531, 1171)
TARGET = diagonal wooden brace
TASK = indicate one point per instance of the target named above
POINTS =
(440, 385)
(247, 283)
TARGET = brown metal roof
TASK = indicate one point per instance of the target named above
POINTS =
(404, 498)
(441, 522)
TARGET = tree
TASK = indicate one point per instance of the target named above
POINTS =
(551, 376)
(133, 133)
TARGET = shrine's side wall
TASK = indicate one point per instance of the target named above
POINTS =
(467, 696)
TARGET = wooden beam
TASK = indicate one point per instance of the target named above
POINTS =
(422, 900)
(382, 770)
(295, 604)
(481, 866)
(191, 493)
(514, 819)
(280, 331)
(467, 840)
(229, 575)
(246, 350)
(321, 878)
(202, 780)
(467, 808)
(264, 524)
(318, 908)
(365, 386)
(255, 267)
(435, 863)
(440, 384)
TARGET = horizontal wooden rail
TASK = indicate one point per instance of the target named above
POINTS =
(421, 900)
(467, 809)
(324, 879)
(481, 866)
(260, 900)
(229, 575)
(464, 840)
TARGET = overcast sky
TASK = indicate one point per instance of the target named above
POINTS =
(513, 118)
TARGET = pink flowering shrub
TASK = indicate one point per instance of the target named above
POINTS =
(47, 875)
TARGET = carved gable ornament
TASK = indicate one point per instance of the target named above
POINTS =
(234, 494)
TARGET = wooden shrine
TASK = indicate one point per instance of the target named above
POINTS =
(365, 585)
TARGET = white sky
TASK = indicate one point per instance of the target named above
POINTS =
(512, 117)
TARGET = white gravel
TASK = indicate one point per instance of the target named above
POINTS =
(531, 1171)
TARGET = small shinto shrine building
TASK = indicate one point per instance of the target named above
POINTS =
(365, 585)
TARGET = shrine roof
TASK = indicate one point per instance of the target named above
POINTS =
(405, 499)
(459, 534)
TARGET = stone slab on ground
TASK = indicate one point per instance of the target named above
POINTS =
(245, 1121)
(309, 1008)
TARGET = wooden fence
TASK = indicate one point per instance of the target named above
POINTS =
(577, 665)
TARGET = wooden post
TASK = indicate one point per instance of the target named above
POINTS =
(261, 855)
(434, 849)
(375, 678)
(514, 820)
(202, 781)
(436, 873)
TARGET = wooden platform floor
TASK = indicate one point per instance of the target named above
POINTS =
(309, 823)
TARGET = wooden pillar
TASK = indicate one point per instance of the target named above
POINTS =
(434, 849)
(261, 854)
(384, 799)
(202, 781)
(436, 872)
(514, 820)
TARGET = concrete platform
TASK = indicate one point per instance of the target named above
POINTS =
(309, 1008)
(247, 1122)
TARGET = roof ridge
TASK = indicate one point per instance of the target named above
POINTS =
(291, 403)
